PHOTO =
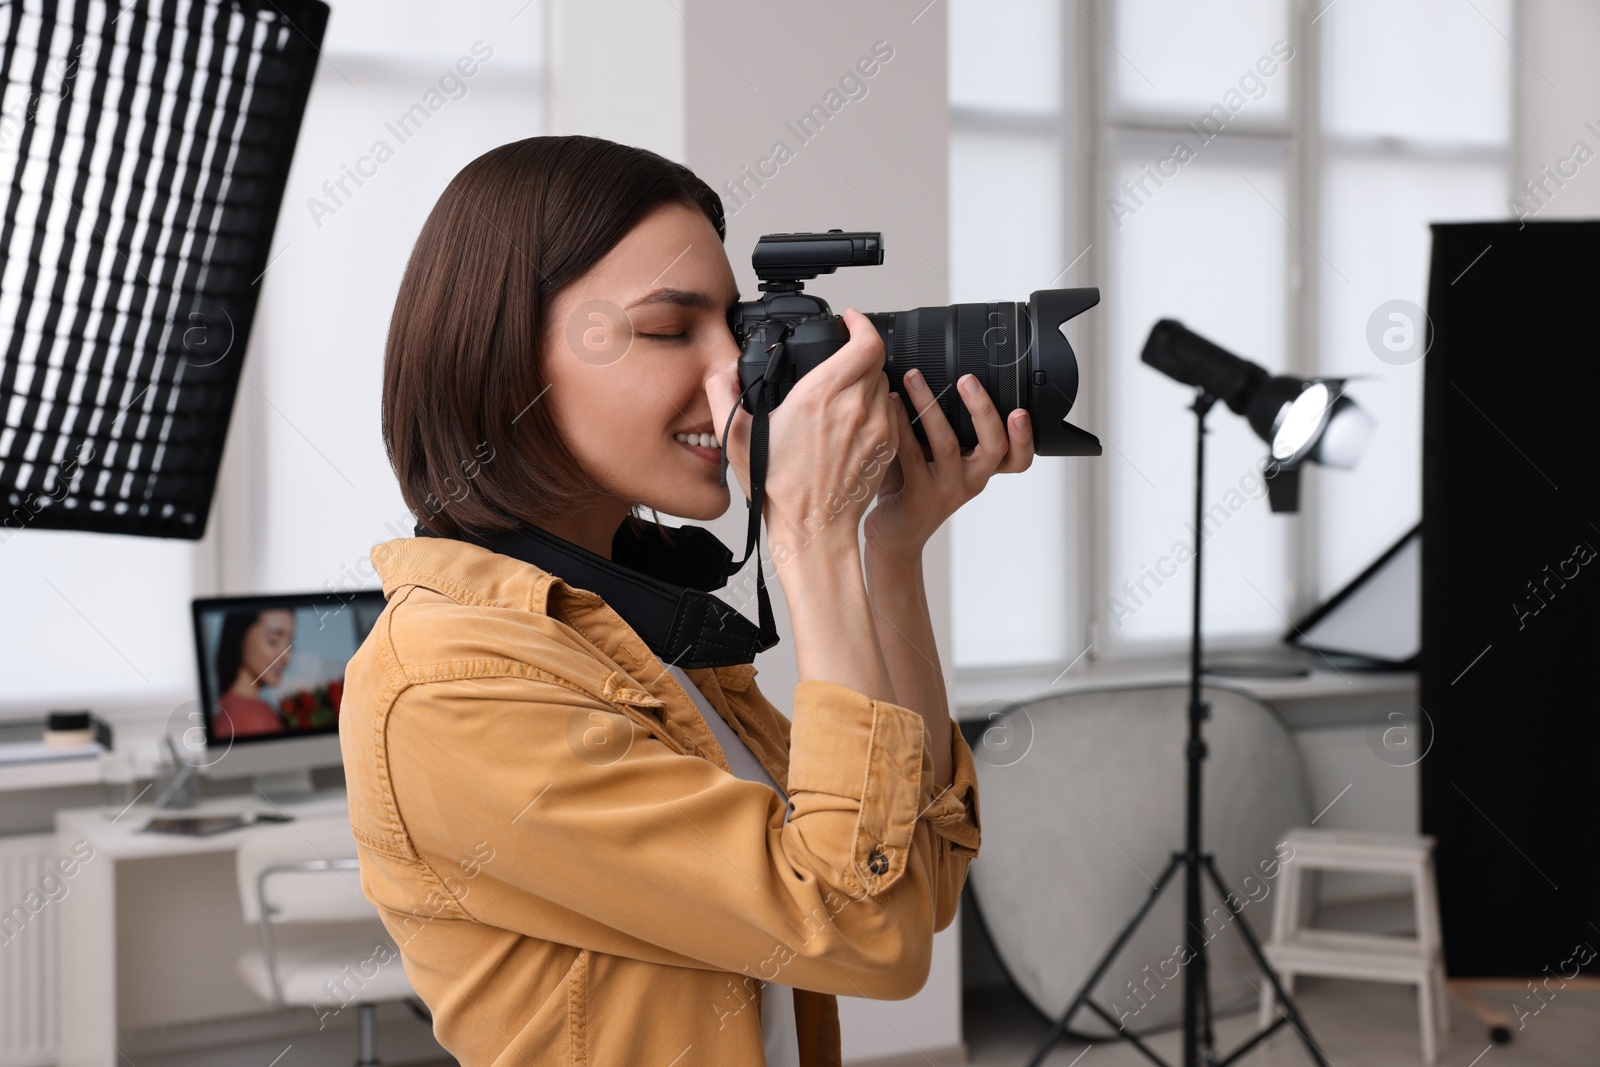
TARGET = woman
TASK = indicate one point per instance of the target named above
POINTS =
(592, 837)
(253, 651)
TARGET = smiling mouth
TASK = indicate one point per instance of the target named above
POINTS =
(693, 442)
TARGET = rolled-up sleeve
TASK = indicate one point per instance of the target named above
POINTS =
(869, 763)
(953, 817)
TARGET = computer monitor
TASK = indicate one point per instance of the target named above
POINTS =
(271, 672)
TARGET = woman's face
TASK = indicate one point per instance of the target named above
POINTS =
(265, 652)
(627, 354)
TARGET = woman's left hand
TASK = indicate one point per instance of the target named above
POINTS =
(926, 484)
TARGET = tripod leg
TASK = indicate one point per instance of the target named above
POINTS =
(1208, 1040)
(1290, 1011)
(1196, 981)
(1200, 1048)
(1100, 968)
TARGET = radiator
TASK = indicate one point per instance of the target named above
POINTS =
(27, 950)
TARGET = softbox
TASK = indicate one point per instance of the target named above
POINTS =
(144, 148)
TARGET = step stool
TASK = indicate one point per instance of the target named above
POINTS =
(1295, 950)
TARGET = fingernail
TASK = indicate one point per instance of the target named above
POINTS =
(968, 385)
(914, 376)
(1020, 418)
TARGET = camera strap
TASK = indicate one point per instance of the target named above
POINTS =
(661, 585)
(761, 404)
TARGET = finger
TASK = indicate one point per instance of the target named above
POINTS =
(913, 464)
(877, 388)
(858, 357)
(942, 442)
(722, 391)
(986, 422)
(881, 430)
(893, 473)
(893, 479)
(892, 403)
(866, 343)
(1019, 453)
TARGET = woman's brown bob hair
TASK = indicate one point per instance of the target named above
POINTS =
(463, 367)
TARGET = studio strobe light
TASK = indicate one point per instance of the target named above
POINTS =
(1300, 420)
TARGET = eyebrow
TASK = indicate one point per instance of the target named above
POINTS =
(680, 297)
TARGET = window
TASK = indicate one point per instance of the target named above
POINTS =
(1409, 136)
(1012, 224)
(1187, 161)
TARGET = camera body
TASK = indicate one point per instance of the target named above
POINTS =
(1017, 351)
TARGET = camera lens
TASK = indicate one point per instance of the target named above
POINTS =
(1016, 351)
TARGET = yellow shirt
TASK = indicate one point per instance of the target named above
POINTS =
(551, 834)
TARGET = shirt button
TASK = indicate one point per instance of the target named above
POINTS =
(877, 863)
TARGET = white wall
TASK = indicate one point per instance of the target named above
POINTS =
(307, 488)
(629, 86)
(1558, 81)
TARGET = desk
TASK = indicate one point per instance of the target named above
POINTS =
(147, 901)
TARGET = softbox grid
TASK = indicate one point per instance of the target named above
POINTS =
(144, 149)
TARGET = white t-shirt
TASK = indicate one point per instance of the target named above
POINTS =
(780, 1039)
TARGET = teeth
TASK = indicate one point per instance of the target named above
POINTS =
(704, 440)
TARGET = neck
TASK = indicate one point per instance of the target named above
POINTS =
(591, 530)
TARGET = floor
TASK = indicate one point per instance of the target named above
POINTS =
(1355, 1024)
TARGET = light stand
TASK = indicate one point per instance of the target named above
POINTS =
(1199, 1046)
(1294, 420)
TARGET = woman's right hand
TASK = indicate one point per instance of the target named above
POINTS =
(828, 445)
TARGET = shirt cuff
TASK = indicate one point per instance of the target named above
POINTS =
(953, 812)
(845, 744)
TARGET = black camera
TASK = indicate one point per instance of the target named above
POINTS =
(1017, 351)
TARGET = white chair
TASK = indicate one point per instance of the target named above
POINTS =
(1417, 961)
(306, 872)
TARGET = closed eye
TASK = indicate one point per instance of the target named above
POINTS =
(666, 336)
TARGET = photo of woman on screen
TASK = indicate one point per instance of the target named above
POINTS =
(253, 652)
